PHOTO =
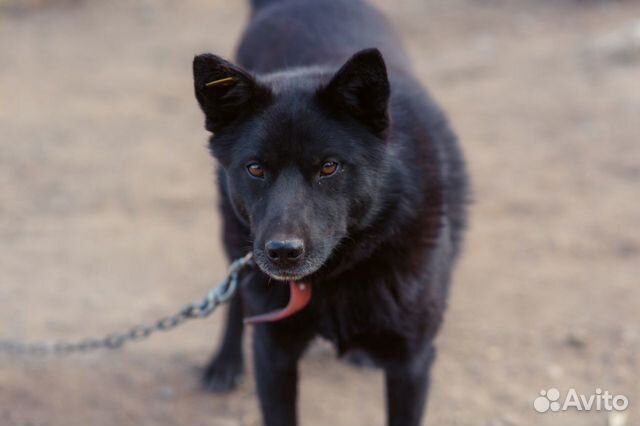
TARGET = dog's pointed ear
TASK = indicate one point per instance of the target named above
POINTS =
(225, 92)
(361, 88)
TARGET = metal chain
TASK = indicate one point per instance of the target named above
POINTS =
(199, 309)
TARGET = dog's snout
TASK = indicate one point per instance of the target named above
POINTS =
(285, 252)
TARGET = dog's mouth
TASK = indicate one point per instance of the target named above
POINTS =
(285, 275)
(298, 274)
(299, 278)
(299, 289)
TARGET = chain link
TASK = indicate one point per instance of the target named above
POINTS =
(199, 309)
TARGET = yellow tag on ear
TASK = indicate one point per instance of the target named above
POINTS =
(227, 81)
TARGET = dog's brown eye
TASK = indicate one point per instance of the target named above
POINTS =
(256, 170)
(328, 168)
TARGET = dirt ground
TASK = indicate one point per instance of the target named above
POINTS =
(107, 211)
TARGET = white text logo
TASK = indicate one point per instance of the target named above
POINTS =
(550, 400)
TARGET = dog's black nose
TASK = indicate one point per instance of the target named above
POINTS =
(285, 252)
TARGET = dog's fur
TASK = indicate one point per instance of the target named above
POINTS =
(380, 235)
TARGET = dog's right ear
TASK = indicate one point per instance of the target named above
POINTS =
(225, 92)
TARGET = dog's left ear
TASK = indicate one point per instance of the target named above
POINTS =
(361, 88)
(226, 93)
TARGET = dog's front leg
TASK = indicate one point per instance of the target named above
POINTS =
(276, 353)
(406, 388)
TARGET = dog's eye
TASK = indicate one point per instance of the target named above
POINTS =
(328, 168)
(255, 170)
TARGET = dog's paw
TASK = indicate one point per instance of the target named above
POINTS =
(360, 359)
(223, 374)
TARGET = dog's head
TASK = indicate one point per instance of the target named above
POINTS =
(304, 153)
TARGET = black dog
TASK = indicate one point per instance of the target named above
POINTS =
(338, 171)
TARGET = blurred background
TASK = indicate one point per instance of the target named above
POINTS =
(107, 211)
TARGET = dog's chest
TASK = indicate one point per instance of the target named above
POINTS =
(382, 319)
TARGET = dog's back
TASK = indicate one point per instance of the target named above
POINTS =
(285, 34)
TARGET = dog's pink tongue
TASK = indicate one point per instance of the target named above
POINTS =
(300, 295)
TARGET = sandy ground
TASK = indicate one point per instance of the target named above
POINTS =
(107, 211)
